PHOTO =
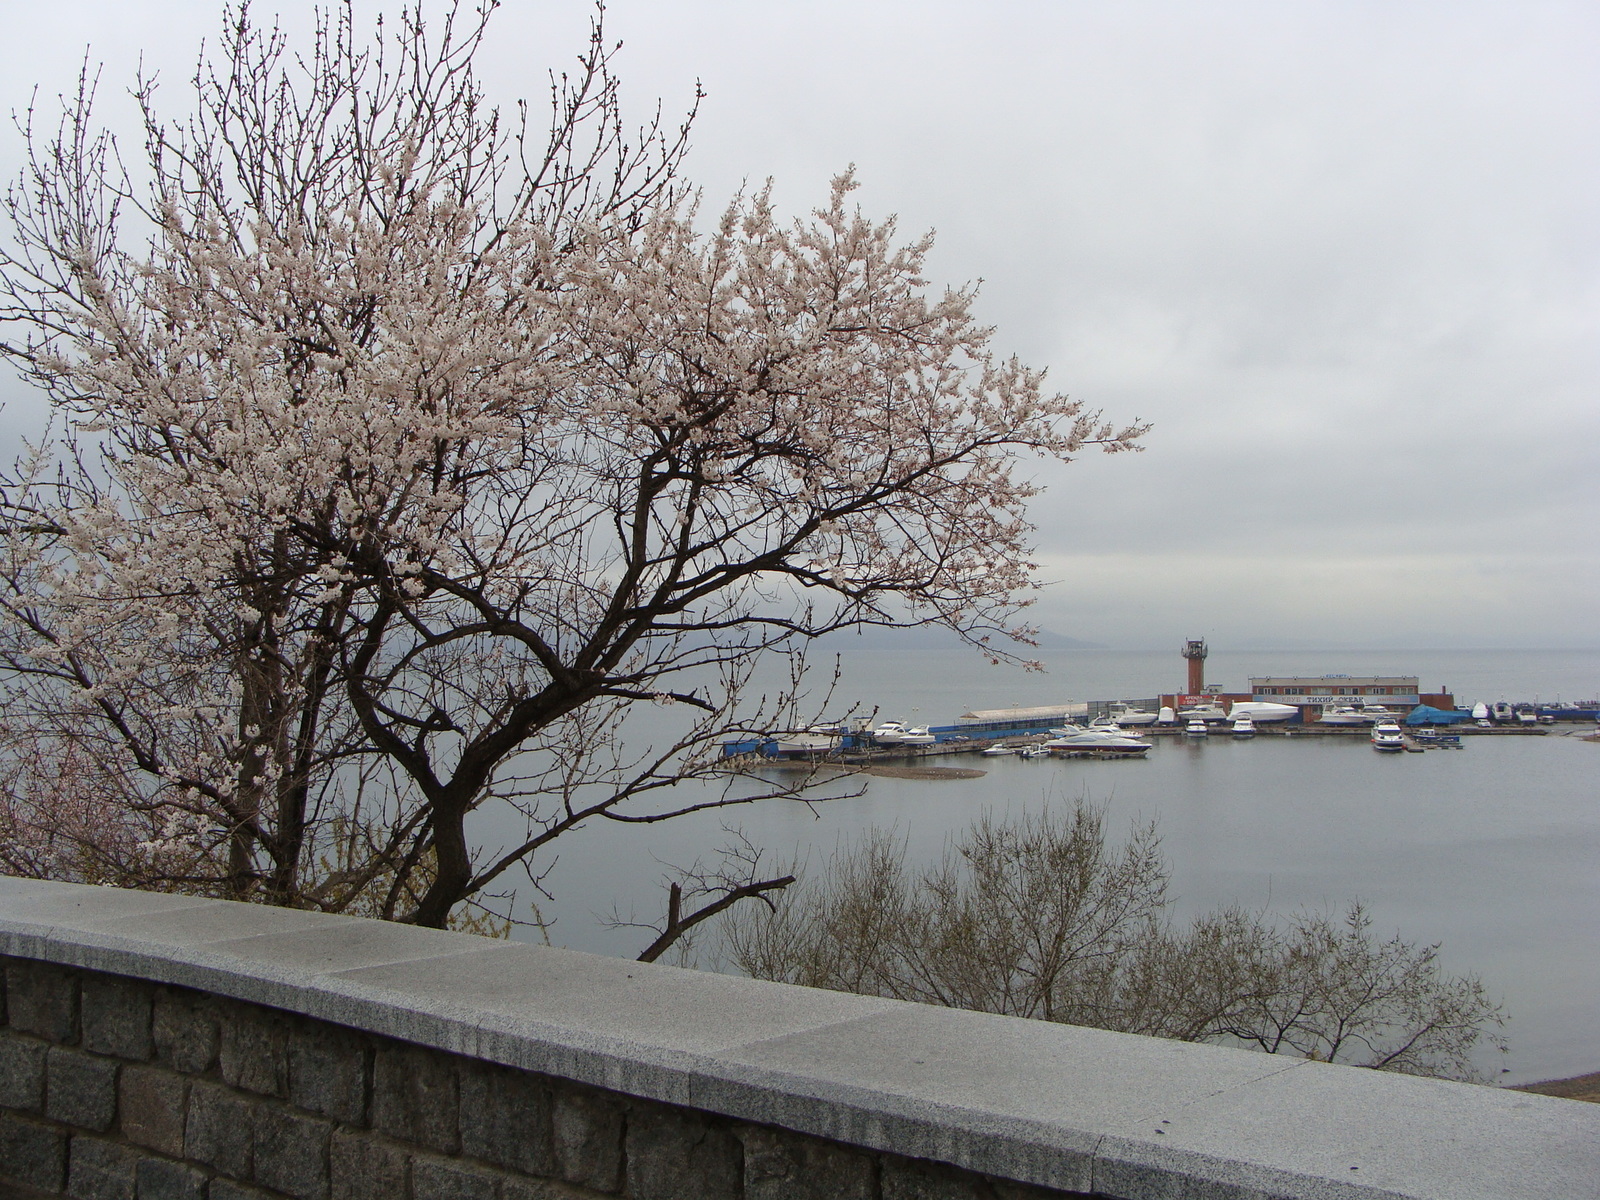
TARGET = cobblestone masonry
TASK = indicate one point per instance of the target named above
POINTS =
(121, 1089)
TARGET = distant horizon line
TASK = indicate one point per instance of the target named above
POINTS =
(884, 639)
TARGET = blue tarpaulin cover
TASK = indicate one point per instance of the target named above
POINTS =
(1422, 714)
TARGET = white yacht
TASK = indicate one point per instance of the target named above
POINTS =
(1196, 728)
(917, 735)
(890, 733)
(1343, 714)
(1261, 711)
(1036, 750)
(1126, 714)
(1203, 712)
(1244, 726)
(1108, 741)
(998, 751)
(810, 743)
(1386, 735)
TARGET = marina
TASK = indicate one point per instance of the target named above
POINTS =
(1492, 849)
(1391, 711)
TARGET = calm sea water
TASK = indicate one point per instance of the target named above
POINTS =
(1492, 851)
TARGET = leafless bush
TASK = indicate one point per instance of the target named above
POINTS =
(1039, 917)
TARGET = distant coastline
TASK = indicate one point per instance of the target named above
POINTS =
(1579, 1087)
(933, 638)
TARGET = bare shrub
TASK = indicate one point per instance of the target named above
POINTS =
(1039, 917)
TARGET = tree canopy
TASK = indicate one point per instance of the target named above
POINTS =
(396, 452)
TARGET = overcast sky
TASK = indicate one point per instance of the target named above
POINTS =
(1345, 256)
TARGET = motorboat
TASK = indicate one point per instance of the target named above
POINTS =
(998, 751)
(1527, 716)
(1431, 736)
(1480, 711)
(1244, 726)
(917, 735)
(1502, 713)
(1377, 714)
(1386, 735)
(1034, 751)
(1262, 711)
(1203, 712)
(1196, 728)
(1166, 716)
(890, 733)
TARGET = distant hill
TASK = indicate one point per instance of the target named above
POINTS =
(925, 638)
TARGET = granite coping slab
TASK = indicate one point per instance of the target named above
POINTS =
(1057, 1105)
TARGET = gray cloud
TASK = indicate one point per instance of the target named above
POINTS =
(1343, 254)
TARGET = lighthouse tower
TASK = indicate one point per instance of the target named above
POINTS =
(1195, 651)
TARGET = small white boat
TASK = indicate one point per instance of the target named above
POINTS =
(917, 735)
(1203, 712)
(1527, 716)
(1244, 726)
(998, 751)
(1386, 735)
(1196, 728)
(1480, 711)
(1377, 714)
(1166, 716)
(1033, 751)
(1502, 713)
(890, 733)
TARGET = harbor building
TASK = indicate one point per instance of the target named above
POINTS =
(1330, 690)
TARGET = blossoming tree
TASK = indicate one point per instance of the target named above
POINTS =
(398, 456)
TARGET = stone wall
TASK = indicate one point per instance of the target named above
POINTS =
(121, 1089)
(158, 1046)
